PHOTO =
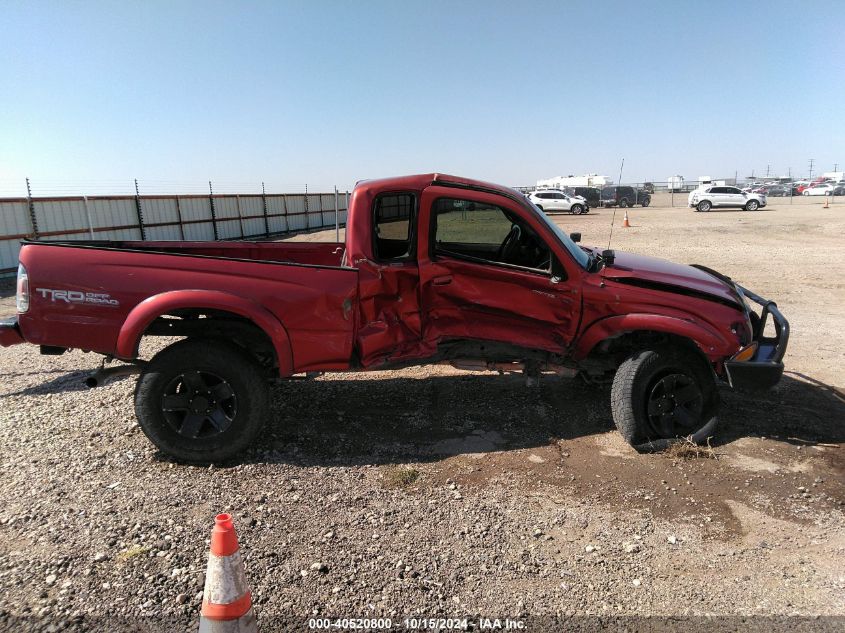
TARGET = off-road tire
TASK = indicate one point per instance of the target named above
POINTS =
(623, 203)
(577, 209)
(635, 380)
(704, 206)
(646, 202)
(752, 205)
(209, 357)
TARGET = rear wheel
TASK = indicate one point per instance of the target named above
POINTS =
(704, 205)
(752, 205)
(623, 203)
(577, 209)
(646, 202)
(662, 395)
(202, 401)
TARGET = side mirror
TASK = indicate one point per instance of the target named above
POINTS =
(609, 256)
(575, 237)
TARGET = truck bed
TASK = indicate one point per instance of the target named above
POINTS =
(86, 294)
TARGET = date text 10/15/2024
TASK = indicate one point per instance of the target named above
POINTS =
(416, 624)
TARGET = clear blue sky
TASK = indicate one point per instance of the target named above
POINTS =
(328, 93)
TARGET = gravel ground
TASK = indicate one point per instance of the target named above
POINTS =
(435, 492)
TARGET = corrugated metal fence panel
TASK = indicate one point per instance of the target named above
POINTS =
(327, 201)
(199, 232)
(196, 213)
(276, 208)
(195, 209)
(296, 212)
(14, 218)
(228, 225)
(60, 215)
(226, 207)
(252, 209)
(111, 213)
(160, 211)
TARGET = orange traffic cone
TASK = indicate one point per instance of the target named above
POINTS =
(226, 601)
(826, 203)
(625, 223)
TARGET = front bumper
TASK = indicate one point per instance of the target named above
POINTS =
(10, 333)
(765, 368)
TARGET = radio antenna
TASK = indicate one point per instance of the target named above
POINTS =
(613, 219)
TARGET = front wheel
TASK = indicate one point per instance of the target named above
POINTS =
(646, 202)
(577, 209)
(752, 205)
(202, 401)
(662, 395)
(704, 205)
(623, 203)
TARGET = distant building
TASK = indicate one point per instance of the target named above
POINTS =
(588, 180)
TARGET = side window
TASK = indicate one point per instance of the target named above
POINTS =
(393, 226)
(486, 232)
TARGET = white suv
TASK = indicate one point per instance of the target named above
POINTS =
(708, 197)
(556, 200)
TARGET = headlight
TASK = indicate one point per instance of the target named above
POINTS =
(22, 298)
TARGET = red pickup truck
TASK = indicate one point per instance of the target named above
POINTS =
(434, 269)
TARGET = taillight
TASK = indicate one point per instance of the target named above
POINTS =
(22, 298)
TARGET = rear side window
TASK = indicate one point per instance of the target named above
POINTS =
(393, 226)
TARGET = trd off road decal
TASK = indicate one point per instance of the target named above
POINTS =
(77, 296)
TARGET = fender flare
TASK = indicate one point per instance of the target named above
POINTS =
(708, 341)
(143, 314)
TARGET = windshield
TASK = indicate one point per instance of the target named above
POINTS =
(580, 256)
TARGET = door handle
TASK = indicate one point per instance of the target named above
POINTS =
(445, 280)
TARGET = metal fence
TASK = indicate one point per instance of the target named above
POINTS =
(164, 217)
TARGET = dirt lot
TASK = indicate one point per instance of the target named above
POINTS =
(434, 492)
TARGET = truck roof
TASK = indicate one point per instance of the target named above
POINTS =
(419, 182)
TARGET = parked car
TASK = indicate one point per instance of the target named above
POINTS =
(591, 194)
(434, 269)
(551, 200)
(839, 190)
(821, 189)
(777, 191)
(725, 197)
(623, 196)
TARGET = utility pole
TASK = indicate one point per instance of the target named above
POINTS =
(768, 167)
(812, 162)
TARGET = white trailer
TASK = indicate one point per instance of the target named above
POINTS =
(675, 183)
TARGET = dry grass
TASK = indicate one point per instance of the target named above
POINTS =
(132, 552)
(399, 476)
(687, 449)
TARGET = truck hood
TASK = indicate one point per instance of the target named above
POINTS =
(644, 271)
